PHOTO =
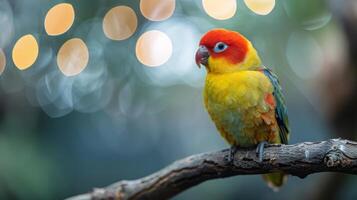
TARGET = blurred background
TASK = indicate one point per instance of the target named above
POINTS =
(92, 92)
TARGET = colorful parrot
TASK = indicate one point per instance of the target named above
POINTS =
(243, 97)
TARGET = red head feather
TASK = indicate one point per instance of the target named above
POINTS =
(237, 44)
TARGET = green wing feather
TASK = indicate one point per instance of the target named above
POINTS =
(280, 110)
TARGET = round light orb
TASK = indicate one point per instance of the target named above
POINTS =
(219, 9)
(304, 55)
(312, 17)
(25, 52)
(260, 7)
(73, 57)
(2, 61)
(120, 23)
(157, 10)
(59, 19)
(153, 48)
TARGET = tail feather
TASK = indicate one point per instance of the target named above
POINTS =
(275, 180)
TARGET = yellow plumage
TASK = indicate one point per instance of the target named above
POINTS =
(236, 102)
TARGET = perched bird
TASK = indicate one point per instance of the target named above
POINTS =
(243, 97)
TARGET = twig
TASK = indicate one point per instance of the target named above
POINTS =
(300, 160)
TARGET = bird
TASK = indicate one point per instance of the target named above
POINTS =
(243, 97)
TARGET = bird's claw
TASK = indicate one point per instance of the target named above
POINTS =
(232, 152)
(260, 150)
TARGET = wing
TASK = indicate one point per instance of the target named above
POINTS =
(280, 110)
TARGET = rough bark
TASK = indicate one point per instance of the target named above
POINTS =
(300, 160)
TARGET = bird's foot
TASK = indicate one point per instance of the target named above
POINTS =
(260, 150)
(232, 152)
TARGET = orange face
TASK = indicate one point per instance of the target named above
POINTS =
(221, 43)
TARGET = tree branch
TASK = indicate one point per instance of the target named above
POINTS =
(300, 160)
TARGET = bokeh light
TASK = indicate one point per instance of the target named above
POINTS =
(153, 48)
(2, 61)
(120, 23)
(68, 113)
(260, 7)
(25, 52)
(311, 17)
(304, 55)
(181, 67)
(73, 57)
(59, 19)
(6, 23)
(157, 10)
(218, 10)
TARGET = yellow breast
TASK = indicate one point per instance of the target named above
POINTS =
(240, 89)
(235, 102)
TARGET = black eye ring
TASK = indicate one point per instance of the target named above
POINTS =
(219, 47)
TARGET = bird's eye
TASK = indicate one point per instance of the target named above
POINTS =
(219, 47)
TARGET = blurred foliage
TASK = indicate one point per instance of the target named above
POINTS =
(311, 15)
